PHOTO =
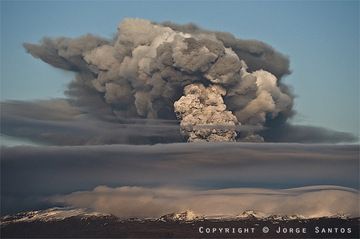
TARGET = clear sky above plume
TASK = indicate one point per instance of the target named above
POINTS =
(321, 39)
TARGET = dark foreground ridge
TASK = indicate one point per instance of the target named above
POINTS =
(82, 225)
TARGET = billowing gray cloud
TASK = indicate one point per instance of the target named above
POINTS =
(65, 53)
(125, 202)
(37, 172)
(258, 55)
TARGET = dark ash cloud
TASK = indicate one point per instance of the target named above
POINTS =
(307, 134)
(39, 172)
(57, 122)
(258, 55)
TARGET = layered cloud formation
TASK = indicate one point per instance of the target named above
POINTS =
(30, 174)
(58, 122)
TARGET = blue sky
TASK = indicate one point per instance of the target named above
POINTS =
(320, 37)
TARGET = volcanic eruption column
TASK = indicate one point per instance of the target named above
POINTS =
(151, 70)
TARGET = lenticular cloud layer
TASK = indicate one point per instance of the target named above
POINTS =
(127, 202)
(211, 81)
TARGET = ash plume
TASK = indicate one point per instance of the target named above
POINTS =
(154, 71)
(203, 106)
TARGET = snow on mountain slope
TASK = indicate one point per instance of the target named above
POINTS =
(246, 215)
(183, 216)
(251, 214)
(58, 214)
(52, 214)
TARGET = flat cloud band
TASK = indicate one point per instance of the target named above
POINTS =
(126, 202)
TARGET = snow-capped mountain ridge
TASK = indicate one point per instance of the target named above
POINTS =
(52, 214)
(58, 214)
(183, 216)
(255, 215)
(251, 214)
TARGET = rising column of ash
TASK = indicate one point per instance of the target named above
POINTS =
(203, 114)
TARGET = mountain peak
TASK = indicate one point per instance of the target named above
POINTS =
(251, 214)
(187, 215)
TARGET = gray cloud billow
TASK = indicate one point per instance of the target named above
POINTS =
(143, 71)
(30, 174)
